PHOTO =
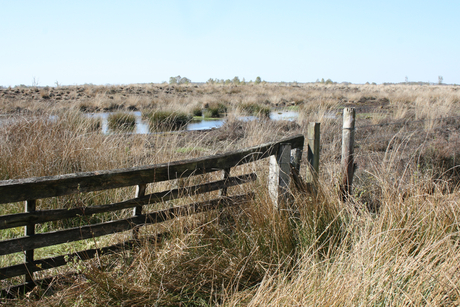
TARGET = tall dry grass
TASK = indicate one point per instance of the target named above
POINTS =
(406, 255)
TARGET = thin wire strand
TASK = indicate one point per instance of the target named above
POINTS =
(407, 122)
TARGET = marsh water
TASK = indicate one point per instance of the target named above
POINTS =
(142, 126)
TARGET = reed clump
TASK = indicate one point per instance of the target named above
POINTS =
(162, 120)
(121, 121)
(256, 110)
(215, 109)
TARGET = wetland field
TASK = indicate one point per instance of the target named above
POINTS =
(396, 242)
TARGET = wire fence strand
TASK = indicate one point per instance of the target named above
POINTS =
(408, 122)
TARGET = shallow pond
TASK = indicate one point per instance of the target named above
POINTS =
(142, 126)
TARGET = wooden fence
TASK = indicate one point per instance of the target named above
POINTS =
(284, 155)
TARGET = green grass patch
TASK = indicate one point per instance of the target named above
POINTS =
(293, 108)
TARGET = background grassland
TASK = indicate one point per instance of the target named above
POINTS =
(395, 244)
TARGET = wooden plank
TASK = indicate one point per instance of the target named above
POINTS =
(43, 187)
(54, 262)
(41, 216)
(101, 229)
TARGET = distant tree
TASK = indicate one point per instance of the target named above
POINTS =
(329, 81)
(210, 81)
(440, 79)
(322, 80)
(236, 80)
(173, 80)
(228, 81)
(179, 80)
(243, 82)
(406, 79)
(185, 80)
(258, 80)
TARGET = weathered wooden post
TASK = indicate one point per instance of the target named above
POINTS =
(140, 192)
(280, 176)
(348, 139)
(29, 230)
(225, 175)
(313, 156)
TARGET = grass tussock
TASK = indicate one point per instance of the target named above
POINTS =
(215, 109)
(256, 110)
(167, 120)
(395, 243)
(121, 121)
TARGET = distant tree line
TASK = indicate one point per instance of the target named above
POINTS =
(179, 80)
(235, 81)
(328, 81)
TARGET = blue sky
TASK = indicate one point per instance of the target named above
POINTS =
(122, 42)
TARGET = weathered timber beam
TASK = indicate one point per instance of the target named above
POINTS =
(41, 216)
(101, 229)
(43, 187)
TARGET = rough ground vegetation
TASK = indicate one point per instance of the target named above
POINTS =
(396, 243)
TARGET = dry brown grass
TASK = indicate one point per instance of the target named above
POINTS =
(394, 244)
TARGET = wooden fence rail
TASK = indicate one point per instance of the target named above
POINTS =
(32, 189)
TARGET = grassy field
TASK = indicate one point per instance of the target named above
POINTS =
(396, 243)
